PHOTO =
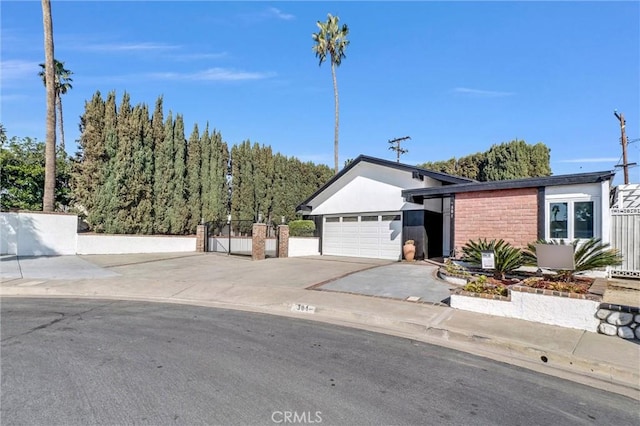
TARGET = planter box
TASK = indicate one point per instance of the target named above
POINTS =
(544, 306)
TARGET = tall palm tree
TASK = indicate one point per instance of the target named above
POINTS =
(63, 83)
(331, 40)
(48, 200)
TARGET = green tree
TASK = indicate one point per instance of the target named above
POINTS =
(331, 40)
(48, 198)
(88, 175)
(163, 183)
(102, 216)
(22, 163)
(62, 85)
(179, 212)
(194, 179)
(142, 170)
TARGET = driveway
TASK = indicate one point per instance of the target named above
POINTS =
(406, 281)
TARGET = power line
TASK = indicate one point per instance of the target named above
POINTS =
(399, 151)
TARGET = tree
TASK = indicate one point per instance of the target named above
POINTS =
(331, 40)
(22, 178)
(62, 85)
(48, 199)
(194, 179)
(179, 212)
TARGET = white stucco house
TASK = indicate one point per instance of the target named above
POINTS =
(373, 205)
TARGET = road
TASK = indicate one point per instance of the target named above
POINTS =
(85, 362)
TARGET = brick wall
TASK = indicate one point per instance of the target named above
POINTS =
(509, 214)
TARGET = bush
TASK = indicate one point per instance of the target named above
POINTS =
(302, 228)
(506, 257)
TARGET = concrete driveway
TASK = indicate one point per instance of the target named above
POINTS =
(406, 281)
(203, 275)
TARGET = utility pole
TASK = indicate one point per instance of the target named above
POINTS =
(397, 148)
(623, 141)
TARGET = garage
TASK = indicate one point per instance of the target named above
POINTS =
(373, 235)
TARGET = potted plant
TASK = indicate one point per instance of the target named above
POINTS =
(409, 250)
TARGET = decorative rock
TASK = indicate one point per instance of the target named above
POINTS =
(620, 318)
(638, 333)
(608, 329)
(626, 333)
(603, 313)
(637, 318)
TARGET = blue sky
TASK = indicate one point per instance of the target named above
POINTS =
(456, 77)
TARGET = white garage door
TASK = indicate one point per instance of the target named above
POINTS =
(375, 235)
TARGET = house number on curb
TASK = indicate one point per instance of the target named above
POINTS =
(299, 307)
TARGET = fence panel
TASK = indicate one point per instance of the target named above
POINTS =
(625, 236)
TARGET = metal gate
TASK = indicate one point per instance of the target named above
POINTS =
(625, 236)
(235, 237)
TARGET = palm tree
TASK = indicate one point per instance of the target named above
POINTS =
(332, 41)
(63, 83)
(48, 200)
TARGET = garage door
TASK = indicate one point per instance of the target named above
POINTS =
(375, 235)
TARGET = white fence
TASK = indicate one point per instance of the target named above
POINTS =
(129, 244)
(38, 234)
(625, 236)
(55, 234)
(240, 245)
(304, 246)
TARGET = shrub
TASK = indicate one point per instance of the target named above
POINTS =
(302, 228)
(506, 257)
(481, 285)
(452, 268)
(587, 255)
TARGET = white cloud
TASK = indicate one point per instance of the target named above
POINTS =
(481, 93)
(213, 74)
(15, 69)
(126, 47)
(197, 56)
(590, 160)
(277, 13)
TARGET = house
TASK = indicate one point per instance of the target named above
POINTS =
(372, 206)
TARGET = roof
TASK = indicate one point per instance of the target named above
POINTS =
(442, 177)
(419, 194)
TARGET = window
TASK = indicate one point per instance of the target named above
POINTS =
(391, 217)
(332, 219)
(571, 220)
(350, 219)
(369, 218)
(583, 219)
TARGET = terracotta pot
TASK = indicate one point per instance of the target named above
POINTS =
(409, 251)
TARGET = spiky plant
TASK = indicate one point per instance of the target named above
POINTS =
(587, 254)
(506, 257)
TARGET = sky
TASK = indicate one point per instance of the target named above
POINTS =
(456, 77)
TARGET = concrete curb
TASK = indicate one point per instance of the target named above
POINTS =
(565, 365)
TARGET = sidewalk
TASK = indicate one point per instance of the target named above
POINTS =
(278, 286)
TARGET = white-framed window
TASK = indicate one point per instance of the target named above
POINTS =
(572, 219)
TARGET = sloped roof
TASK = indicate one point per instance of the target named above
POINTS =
(419, 194)
(445, 178)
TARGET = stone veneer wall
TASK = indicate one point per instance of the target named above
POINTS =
(619, 320)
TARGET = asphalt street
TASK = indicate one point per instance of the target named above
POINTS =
(84, 362)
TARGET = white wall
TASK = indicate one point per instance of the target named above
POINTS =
(554, 310)
(8, 233)
(123, 244)
(38, 234)
(304, 246)
(596, 192)
(368, 188)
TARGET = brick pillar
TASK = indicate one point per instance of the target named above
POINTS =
(282, 248)
(259, 234)
(202, 235)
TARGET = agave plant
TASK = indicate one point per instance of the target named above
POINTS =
(506, 257)
(588, 255)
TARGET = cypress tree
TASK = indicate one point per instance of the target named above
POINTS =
(103, 213)
(205, 175)
(124, 203)
(194, 179)
(141, 183)
(179, 211)
(87, 177)
(163, 183)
